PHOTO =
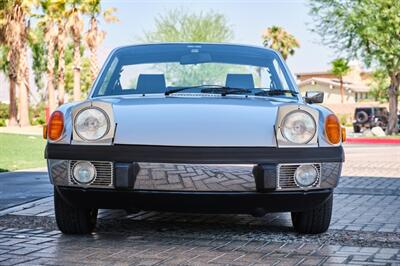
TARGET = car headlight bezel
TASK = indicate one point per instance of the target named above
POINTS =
(97, 109)
(283, 126)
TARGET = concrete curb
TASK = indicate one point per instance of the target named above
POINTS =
(39, 169)
(391, 141)
(25, 205)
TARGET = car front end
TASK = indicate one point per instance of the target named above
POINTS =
(206, 150)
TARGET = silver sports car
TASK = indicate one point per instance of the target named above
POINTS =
(194, 127)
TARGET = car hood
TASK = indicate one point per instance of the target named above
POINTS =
(185, 121)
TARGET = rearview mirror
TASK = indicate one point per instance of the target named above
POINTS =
(314, 97)
(196, 58)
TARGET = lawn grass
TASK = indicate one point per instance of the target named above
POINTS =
(21, 152)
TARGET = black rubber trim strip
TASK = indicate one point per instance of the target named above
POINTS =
(201, 155)
(187, 201)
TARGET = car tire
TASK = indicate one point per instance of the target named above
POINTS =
(356, 129)
(314, 221)
(73, 220)
(361, 117)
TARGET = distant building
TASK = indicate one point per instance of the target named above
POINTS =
(356, 84)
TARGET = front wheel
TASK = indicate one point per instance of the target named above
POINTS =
(314, 221)
(73, 220)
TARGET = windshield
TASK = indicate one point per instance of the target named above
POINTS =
(186, 68)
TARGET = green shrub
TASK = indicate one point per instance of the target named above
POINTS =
(345, 119)
(39, 121)
(3, 111)
(2, 122)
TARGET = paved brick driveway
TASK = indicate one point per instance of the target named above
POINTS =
(365, 230)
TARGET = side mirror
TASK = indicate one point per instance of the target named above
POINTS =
(314, 97)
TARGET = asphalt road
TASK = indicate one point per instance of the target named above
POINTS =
(22, 187)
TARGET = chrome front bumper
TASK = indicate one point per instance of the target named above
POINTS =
(195, 177)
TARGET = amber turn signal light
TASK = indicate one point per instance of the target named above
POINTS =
(344, 136)
(44, 131)
(332, 129)
(55, 127)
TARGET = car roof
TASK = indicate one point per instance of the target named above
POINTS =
(228, 47)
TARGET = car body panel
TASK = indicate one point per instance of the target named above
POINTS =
(156, 140)
(186, 121)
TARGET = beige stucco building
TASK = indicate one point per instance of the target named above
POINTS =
(356, 85)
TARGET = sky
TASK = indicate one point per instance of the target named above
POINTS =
(248, 20)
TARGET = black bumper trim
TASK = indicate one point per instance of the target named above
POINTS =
(206, 202)
(201, 155)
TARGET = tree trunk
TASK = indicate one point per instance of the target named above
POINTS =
(341, 90)
(13, 59)
(50, 70)
(12, 34)
(93, 39)
(393, 103)
(94, 65)
(77, 71)
(12, 108)
(61, 64)
(23, 85)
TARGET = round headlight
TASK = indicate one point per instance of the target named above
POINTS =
(91, 124)
(306, 175)
(84, 172)
(298, 127)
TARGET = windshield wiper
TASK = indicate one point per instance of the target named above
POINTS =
(275, 92)
(223, 90)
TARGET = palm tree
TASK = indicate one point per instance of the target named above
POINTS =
(8, 65)
(75, 26)
(279, 39)
(340, 68)
(48, 22)
(23, 75)
(94, 36)
(61, 44)
(14, 29)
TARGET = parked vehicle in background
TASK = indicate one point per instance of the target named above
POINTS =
(369, 117)
(398, 119)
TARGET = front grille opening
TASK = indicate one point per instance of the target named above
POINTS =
(104, 177)
(286, 176)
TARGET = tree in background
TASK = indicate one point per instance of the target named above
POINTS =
(94, 36)
(47, 22)
(340, 67)
(85, 81)
(180, 26)
(61, 23)
(279, 39)
(3, 59)
(380, 83)
(39, 57)
(23, 70)
(13, 34)
(75, 26)
(369, 30)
